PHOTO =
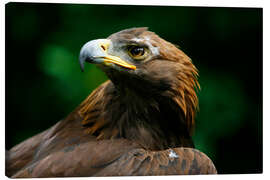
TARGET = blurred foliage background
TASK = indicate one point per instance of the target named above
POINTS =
(44, 82)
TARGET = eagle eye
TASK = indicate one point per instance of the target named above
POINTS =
(137, 52)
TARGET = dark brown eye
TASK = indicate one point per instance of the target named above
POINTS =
(137, 52)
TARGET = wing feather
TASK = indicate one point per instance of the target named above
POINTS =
(118, 158)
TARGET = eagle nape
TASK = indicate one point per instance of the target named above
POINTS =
(139, 122)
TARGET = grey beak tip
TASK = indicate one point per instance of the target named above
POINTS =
(89, 51)
(82, 60)
(82, 67)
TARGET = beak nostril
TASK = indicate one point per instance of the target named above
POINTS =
(103, 47)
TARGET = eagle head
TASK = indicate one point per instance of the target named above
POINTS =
(148, 73)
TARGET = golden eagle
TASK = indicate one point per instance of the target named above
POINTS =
(139, 122)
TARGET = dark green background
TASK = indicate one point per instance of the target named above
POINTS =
(44, 82)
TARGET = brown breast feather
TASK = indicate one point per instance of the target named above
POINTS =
(65, 150)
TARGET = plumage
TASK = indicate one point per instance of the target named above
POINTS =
(137, 123)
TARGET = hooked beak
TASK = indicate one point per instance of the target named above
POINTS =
(95, 52)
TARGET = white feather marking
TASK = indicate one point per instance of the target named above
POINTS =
(173, 154)
(147, 38)
(137, 39)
